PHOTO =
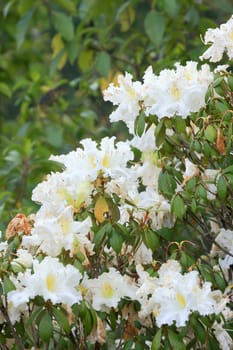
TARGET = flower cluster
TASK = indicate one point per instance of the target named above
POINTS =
(120, 247)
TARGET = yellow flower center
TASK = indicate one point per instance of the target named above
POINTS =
(51, 282)
(65, 226)
(131, 92)
(107, 290)
(188, 74)
(181, 299)
(92, 161)
(231, 35)
(175, 92)
(106, 161)
(155, 312)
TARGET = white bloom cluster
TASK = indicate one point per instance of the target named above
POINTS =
(107, 290)
(178, 91)
(221, 40)
(49, 279)
(167, 299)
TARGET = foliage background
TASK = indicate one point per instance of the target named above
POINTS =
(56, 58)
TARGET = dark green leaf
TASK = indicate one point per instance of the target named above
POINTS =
(5, 90)
(63, 24)
(166, 184)
(61, 317)
(46, 326)
(160, 133)
(116, 241)
(180, 125)
(171, 7)
(100, 235)
(157, 340)
(8, 286)
(68, 5)
(54, 135)
(175, 340)
(103, 63)
(222, 187)
(210, 133)
(151, 240)
(166, 233)
(178, 207)
(22, 27)
(154, 26)
(139, 125)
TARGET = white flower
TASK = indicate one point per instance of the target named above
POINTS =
(51, 280)
(24, 258)
(127, 96)
(176, 91)
(190, 170)
(51, 234)
(143, 255)
(146, 142)
(64, 189)
(17, 305)
(172, 297)
(109, 157)
(221, 39)
(210, 176)
(107, 290)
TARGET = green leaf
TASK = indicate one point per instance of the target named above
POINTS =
(100, 235)
(157, 340)
(220, 281)
(201, 192)
(154, 27)
(222, 187)
(67, 5)
(103, 63)
(171, 7)
(151, 240)
(116, 241)
(175, 340)
(139, 125)
(46, 326)
(87, 321)
(54, 135)
(5, 90)
(229, 169)
(230, 82)
(230, 179)
(166, 233)
(63, 24)
(8, 286)
(200, 332)
(62, 318)
(160, 133)
(210, 133)
(166, 184)
(178, 207)
(180, 125)
(72, 50)
(85, 59)
(190, 184)
(22, 27)
(34, 315)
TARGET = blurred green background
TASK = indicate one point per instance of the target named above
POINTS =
(57, 57)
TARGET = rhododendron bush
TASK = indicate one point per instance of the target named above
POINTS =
(131, 247)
